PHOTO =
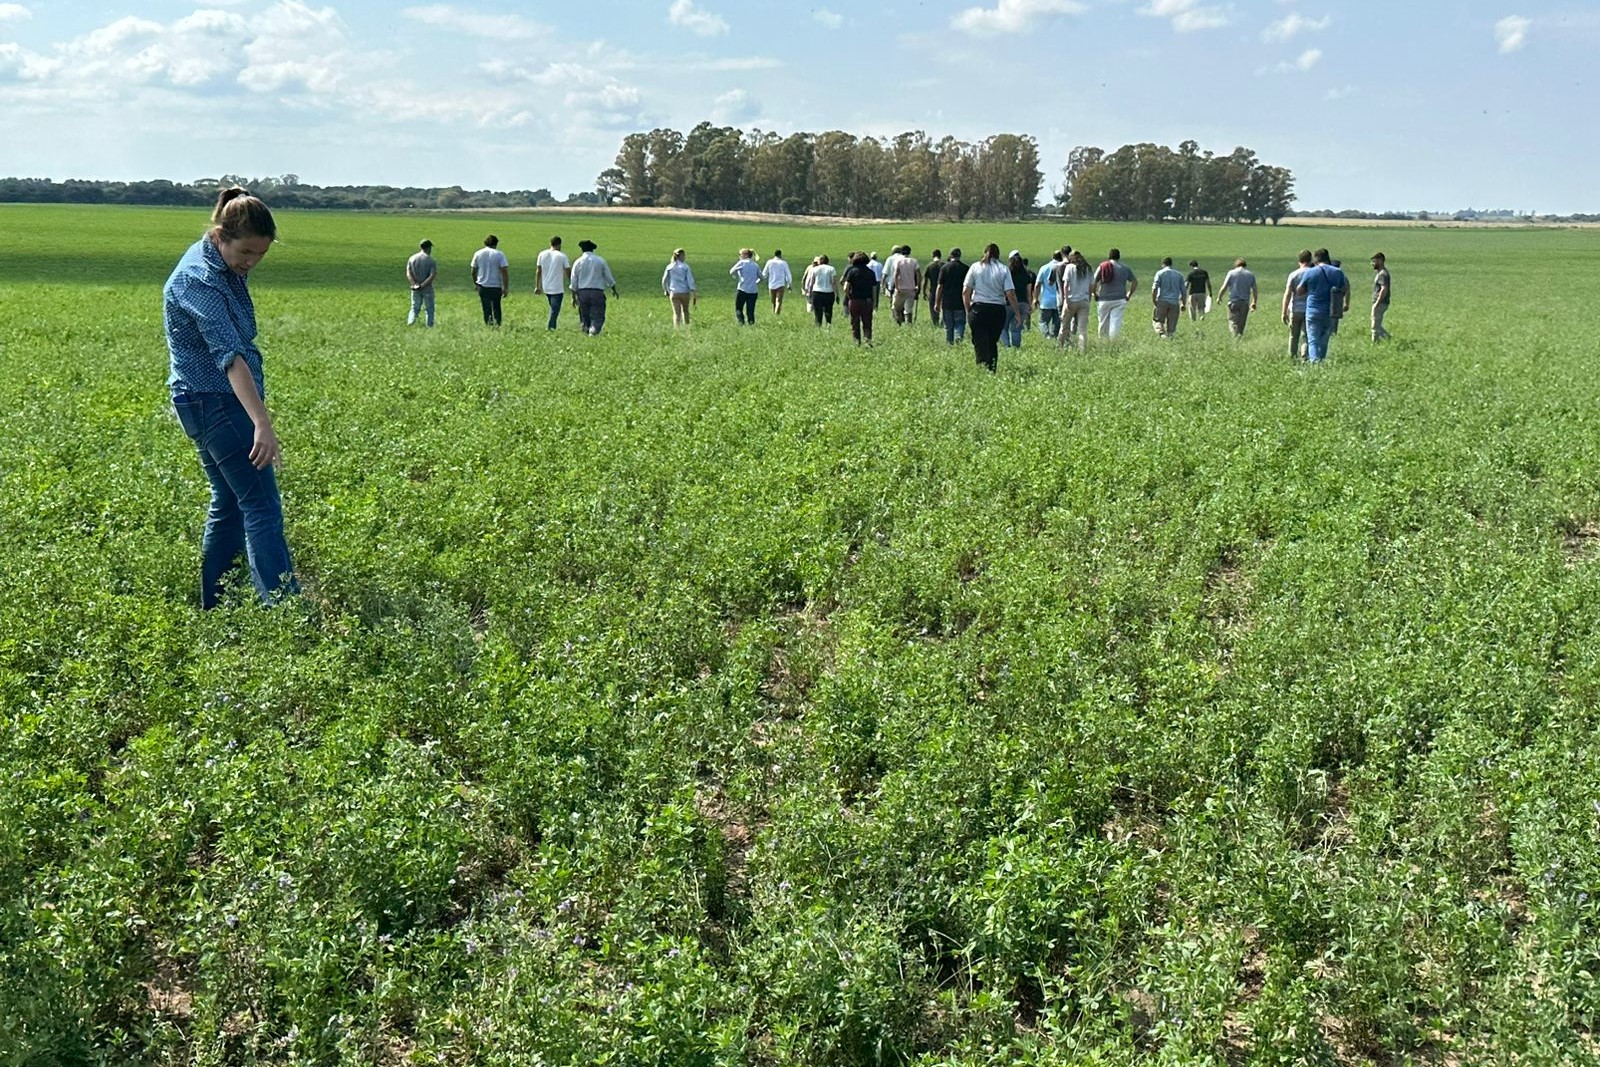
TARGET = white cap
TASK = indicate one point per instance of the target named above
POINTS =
(1015, 254)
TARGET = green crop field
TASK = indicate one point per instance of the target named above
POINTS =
(733, 696)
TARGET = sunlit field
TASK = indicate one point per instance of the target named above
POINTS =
(739, 696)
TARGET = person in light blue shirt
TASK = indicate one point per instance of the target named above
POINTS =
(218, 388)
(1321, 284)
(1166, 293)
(1047, 295)
(748, 273)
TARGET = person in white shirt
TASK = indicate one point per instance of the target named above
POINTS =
(986, 292)
(1077, 283)
(748, 272)
(551, 274)
(677, 282)
(491, 274)
(805, 280)
(778, 277)
(877, 272)
(591, 277)
(821, 291)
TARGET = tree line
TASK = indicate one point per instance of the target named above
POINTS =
(285, 191)
(721, 168)
(1151, 181)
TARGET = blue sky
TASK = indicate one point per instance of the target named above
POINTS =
(1373, 105)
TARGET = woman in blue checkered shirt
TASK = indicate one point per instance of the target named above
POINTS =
(219, 395)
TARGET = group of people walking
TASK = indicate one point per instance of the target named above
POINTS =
(586, 279)
(219, 392)
(996, 301)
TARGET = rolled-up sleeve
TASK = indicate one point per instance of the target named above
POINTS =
(206, 313)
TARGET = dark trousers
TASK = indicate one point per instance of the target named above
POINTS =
(591, 310)
(555, 308)
(861, 320)
(822, 306)
(744, 308)
(986, 321)
(489, 297)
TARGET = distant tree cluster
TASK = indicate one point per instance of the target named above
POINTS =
(1151, 181)
(721, 168)
(285, 191)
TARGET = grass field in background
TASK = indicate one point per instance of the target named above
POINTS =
(738, 696)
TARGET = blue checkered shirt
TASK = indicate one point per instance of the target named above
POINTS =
(210, 322)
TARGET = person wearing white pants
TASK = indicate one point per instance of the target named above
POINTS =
(1113, 285)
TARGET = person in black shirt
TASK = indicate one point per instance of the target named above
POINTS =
(930, 288)
(1199, 289)
(952, 277)
(860, 294)
(1022, 278)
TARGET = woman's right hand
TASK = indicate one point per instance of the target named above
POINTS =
(265, 451)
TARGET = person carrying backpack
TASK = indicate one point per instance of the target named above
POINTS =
(1113, 285)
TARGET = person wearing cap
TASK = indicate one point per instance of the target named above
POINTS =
(1240, 286)
(1199, 283)
(904, 280)
(952, 306)
(491, 274)
(1166, 294)
(930, 287)
(591, 277)
(421, 270)
(877, 272)
(551, 273)
(1114, 283)
(1380, 296)
(748, 273)
(1021, 287)
(779, 277)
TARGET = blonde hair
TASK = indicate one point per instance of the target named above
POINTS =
(240, 214)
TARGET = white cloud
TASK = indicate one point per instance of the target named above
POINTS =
(1187, 15)
(1308, 59)
(1511, 33)
(831, 19)
(1290, 25)
(14, 13)
(473, 24)
(1012, 16)
(735, 108)
(696, 20)
(295, 47)
(1339, 93)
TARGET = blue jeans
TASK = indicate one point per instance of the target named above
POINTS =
(1011, 333)
(744, 308)
(1050, 321)
(1317, 333)
(955, 325)
(555, 308)
(245, 514)
(421, 299)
